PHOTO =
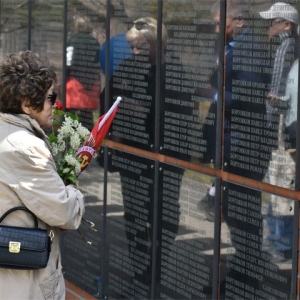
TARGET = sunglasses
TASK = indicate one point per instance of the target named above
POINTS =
(140, 46)
(275, 22)
(140, 25)
(52, 98)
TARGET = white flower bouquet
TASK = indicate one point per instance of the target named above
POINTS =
(73, 146)
(65, 143)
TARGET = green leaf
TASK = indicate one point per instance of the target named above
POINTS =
(59, 112)
(72, 116)
(52, 138)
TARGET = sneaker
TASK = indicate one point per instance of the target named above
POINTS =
(207, 206)
(267, 245)
(278, 257)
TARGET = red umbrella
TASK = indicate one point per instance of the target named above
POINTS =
(98, 133)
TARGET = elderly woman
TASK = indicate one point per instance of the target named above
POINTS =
(142, 38)
(135, 80)
(28, 174)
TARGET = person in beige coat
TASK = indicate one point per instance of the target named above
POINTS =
(28, 175)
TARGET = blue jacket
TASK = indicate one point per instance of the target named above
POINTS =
(247, 78)
(119, 50)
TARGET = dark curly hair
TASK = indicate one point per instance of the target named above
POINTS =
(24, 76)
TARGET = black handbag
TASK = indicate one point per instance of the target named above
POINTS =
(24, 248)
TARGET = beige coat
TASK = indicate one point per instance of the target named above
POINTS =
(28, 177)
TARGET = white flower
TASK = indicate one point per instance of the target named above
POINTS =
(54, 149)
(71, 160)
(61, 145)
(75, 141)
(83, 132)
(66, 170)
(71, 136)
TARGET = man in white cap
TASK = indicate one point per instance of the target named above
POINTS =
(283, 31)
(283, 95)
(284, 21)
(282, 11)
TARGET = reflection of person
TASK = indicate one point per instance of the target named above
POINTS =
(280, 217)
(83, 66)
(283, 28)
(137, 85)
(119, 47)
(291, 96)
(282, 108)
(28, 170)
(238, 71)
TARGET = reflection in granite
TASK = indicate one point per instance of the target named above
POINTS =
(130, 226)
(251, 266)
(187, 254)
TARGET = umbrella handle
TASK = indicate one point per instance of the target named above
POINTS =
(116, 103)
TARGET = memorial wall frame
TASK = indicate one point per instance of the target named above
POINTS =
(197, 156)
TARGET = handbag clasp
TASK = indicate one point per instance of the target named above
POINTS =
(14, 247)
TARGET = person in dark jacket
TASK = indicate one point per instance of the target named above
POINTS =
(242, 48)
(134, 125)
(83, 72)
(243, 76)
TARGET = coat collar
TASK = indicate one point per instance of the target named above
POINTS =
(23, 120)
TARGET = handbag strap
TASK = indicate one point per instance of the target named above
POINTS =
(20, 208)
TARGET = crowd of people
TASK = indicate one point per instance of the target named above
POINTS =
(27, 96)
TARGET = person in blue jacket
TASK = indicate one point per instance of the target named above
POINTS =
(243, 76)
(119, 48)
(244, 51)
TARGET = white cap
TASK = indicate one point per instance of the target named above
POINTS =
(281, 10)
